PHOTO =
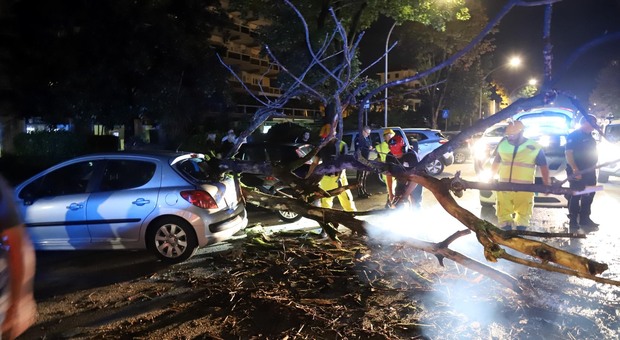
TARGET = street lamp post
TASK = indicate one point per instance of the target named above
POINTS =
(513, 62)
(385, 76)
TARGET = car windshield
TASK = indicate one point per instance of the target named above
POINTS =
(545, 124)
(497, 131)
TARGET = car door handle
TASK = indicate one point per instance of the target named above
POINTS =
(141, 201)
(75, 206)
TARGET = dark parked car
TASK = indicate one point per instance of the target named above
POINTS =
(273, 153)
(166, 202)
(429, 140)
(462, 152)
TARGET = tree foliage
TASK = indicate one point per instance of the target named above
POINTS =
(282, 36)
(114, 60)
(450, 87)
(604, 99)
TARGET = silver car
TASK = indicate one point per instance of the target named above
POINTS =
(167, 202)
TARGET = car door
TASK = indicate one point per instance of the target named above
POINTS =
(54, 206)
(126, 195)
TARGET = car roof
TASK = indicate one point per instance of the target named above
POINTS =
(163, 155)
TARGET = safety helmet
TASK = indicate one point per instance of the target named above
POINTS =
(397, 145)
(388, 131)
(514, 128)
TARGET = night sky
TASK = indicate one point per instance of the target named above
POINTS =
(574, 23)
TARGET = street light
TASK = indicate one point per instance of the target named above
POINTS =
(385, 77)
(514, 62)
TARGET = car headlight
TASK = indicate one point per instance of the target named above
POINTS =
(544, 141)
(607, 152)
(481, 151)
(485, 176)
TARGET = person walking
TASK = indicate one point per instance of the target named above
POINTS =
(17, 266)
(336, 179)
(364, 145)
(516, 161)
(581, 156)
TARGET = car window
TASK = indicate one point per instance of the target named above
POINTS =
(348, 139)
(68, 180)
(375, 138)
(254, 154)
(282, 153)
(126, 174)
(416, 136)
(612, 133)
(195, 169)
(496, 132)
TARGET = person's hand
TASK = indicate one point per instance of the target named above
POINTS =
(577, 174)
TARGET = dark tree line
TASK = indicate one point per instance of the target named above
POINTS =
(113, 61)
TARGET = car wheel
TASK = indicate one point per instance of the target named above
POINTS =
(603, 178)
(459, 157)
(434, 167)
(287, 215)
(172, 240)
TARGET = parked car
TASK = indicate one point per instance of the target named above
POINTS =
(166, 202)
(485, 146)
(462, 152)
(274, 153)
(548, 125)
(376, 137)
(429, 140)
(609, 151)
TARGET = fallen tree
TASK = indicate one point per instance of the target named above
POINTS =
(492, 239)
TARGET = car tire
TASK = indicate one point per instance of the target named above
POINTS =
(603, 177)
(486, 204)
(171, 239)
(459, 157)
(434, 167)
(287, 215)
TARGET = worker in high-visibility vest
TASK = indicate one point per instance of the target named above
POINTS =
(516, 161)
(382, 150)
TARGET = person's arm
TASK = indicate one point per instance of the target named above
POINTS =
(19, 264)
(570, 159)
(544, 171)
(389, 180)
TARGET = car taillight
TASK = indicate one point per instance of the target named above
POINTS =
(443, 141)
(270, 178)
(199, 198)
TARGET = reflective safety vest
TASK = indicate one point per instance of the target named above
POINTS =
(382, 150)
(518, 166)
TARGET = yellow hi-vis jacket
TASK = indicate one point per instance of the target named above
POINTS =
(382, 150)
(518, 166)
